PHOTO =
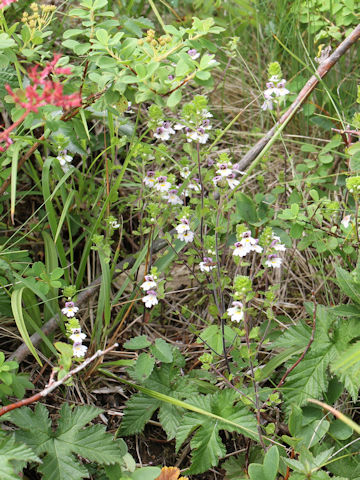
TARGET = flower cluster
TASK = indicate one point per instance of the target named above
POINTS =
(45, 91)
(274, 93)
(65, 161)
(5, 3)
(164, 131)
(273, 259)
(183, 231)
(149, 286)
(246, 245)
(195, 126)
(70, 310)
(207, 264)
(226, 174)
(38, 20)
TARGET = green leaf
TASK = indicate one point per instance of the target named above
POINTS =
(206, 443)
(143, 367)
(11, 451)
(212, 335)
(174, 98)
(137, 343)
(203, 75)
(269, 469)
(309, 379)
(139, 409)
(245, 208)
(58, 448)
(347, 284)
(102, 35)
(162, 351)
(6, 41)
(20, 323)
(145, 473)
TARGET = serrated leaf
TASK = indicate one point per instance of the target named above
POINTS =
(10, 451)
(347, 284)
(58, 449)
(206, 444)
(143, 367)
(170, 417)
(139, 409)
(309, 379)
(162, 351)
(138, 342)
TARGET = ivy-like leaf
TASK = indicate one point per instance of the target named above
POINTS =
(59, 462)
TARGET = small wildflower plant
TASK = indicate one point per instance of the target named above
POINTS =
(127, 218)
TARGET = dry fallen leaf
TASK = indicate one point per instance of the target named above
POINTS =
(170, 473)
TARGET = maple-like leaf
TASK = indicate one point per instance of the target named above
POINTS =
(207, 446)
(58, 449)
(12, 455)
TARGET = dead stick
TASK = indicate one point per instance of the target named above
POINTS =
(52, 385)
(323, 69)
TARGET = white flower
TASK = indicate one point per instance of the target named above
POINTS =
(206, 114)
(162, 185)
(115, 224)
(345, 222)
(268, 104)
(236, 312)
(164, 131)
(206, 265)
(256, 248)
(273, 261)
(198, 135)
(150, 299)
(232, 182)
(187, 236)
(276, 245)
(79, 350)
(241, 250)
(69, 310)
(194, 54)
(179, 126)
(247, 239)
(206, 124)
(183, 226)
(185, 172)
(274, 79)
(195, 186)
(224, 170)
(150, 179)
(246, 245)
(128, 110)
(149, 283)
(64, 159)
(77, 336)
(173, 198)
